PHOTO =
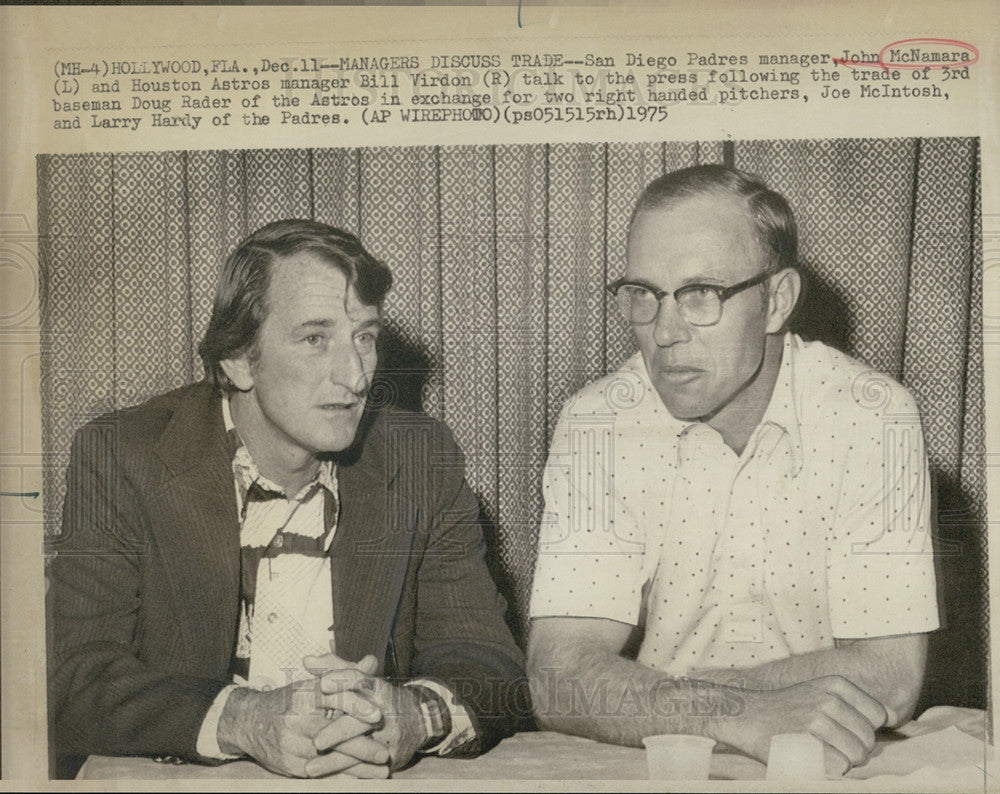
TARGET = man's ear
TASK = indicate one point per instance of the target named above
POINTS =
(238, 371)
(785, 289)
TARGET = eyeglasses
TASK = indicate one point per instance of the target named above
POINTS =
(698, 304)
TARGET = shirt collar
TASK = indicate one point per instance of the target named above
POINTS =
(247, 474)
(780, 412)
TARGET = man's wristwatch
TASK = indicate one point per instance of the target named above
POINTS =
(434, 711)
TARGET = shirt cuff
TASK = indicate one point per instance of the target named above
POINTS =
(207, 745)
(462, 729)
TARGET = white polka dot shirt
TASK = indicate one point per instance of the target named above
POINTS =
(819, 530)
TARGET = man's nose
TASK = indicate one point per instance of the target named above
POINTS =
(669, 327)
(347, 367)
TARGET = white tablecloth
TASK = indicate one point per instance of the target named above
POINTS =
(944, 750)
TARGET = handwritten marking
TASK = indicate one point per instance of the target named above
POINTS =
(842, 62)
(933, 65)
(881, 62)
(29, 494)
(983, 770)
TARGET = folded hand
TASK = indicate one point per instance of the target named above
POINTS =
(362, 702)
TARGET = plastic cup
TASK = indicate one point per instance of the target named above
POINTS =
(796, 756)
(678, 756)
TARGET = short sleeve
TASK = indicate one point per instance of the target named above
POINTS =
(591, 550)
(881, 573)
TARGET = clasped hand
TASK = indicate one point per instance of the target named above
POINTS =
(345, 721)
(388, 715)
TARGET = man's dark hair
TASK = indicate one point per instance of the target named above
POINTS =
(241, 295)
(772, 218)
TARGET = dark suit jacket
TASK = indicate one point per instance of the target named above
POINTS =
(144, 590)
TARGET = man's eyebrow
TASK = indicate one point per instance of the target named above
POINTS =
(691, 281)
(307, 324)
(694, 281)
(640, 282)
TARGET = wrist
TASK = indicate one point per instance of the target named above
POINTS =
(207, 744)
(234, 717)
(740, 725)
(710, 708)
(434, 715)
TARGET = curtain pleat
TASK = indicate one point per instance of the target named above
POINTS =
(498, 312)
(151, 278)
(277, 185)
(398, 208)
(336, 187)
(216, 191)
(577, 313)
(78, 305)
(521, 400)
(945, 305)
(972, 461)
(938, 301)
(468, 312)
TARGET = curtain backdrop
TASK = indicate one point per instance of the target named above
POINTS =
(498, 313)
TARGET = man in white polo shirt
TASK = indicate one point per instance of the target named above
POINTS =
(753, 507)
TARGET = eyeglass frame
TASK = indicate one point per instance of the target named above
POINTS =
(723, 293)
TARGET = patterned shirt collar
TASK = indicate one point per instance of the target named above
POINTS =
(248, 475)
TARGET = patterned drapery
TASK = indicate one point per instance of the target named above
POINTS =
(498, 313)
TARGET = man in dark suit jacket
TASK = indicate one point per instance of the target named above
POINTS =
(153, 584)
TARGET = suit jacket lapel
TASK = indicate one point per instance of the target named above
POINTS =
(371, 549)
(199, 536)
(199, 530)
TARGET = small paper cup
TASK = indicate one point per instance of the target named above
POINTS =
(677, 756)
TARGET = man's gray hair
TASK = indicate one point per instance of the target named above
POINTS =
(772, 217)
